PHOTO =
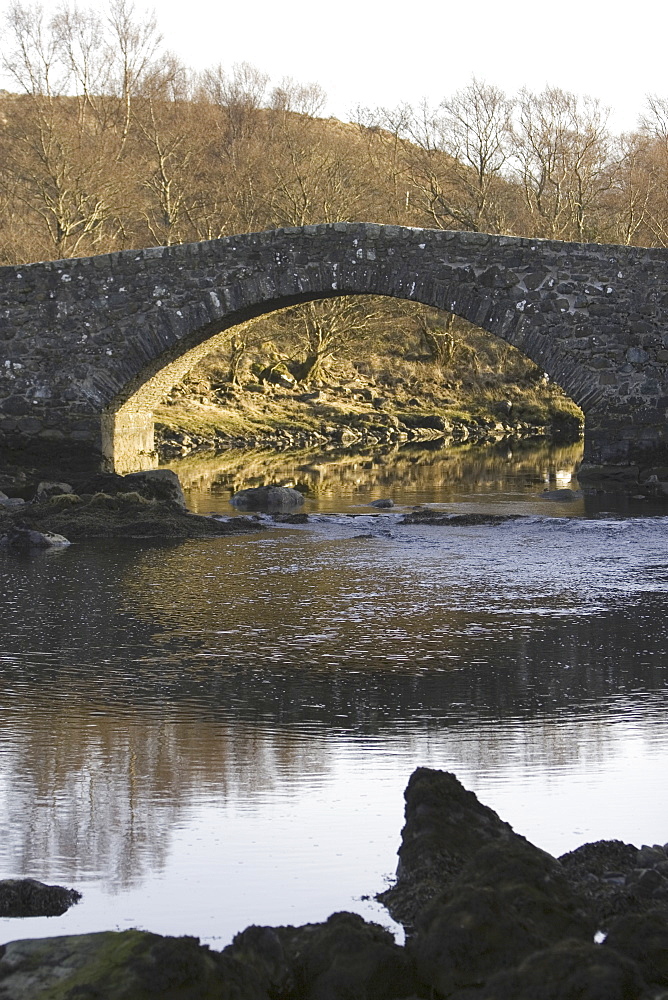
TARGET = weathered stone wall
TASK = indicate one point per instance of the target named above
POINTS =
(107, 336)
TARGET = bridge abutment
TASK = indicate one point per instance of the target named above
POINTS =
(128, 441)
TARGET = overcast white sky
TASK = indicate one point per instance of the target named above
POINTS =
(368, 52)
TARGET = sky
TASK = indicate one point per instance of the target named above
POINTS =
(370, 53)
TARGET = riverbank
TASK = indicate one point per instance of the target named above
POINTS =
(358, 411)
(488, 916)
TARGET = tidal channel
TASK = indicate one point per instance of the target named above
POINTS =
(207, 734)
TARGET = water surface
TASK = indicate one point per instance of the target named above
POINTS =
(212, 733)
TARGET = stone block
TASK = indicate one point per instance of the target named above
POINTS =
(29, 425)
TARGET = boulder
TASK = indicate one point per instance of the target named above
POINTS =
(127, 965)
(278, 374)
(47, 489)
(613, 878)
(270, 498)
(103, 482)
(13, 480)
(430, 421)
(257, 956)
(382, 504)
(569, 970)
(445, 820)
(644, 939)
(157, 484)
(26, 897)
(509, 900)
(9, 502)
(451, 842)
(343, 957)
(154, 484)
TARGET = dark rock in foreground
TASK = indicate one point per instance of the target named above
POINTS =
(26, 897)
(126, 965)
(489, 916)
(569, 970)
(271, 498)
(445, 826)
(345, 958)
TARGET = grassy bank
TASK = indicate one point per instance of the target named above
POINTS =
(377, 402)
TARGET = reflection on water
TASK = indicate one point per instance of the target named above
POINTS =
(213, 733)
(334, 481)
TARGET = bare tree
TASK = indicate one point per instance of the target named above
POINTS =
(330, 329)
(304, 99)
(133, 48)
(562, 149)
(458, 155)
(65, 135)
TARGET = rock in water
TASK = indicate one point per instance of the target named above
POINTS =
(26, 897)
(425, 515)
(25, 539)
(270, 498)
(382, 504)
(157, 484)
(445, 825)
(562, 495)
(510, 900)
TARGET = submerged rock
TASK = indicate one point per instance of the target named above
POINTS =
(562, 495)
(428, 516)
(26, 897)
(20, 539)
(270, 498)
(382, 504)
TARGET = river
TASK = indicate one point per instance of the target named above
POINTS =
(208, 734)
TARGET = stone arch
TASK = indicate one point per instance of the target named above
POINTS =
(128, 416)
(84, 337)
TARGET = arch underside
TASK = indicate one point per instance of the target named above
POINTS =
(159, 375)
(127, 422)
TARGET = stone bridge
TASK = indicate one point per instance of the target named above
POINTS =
(90, 345)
